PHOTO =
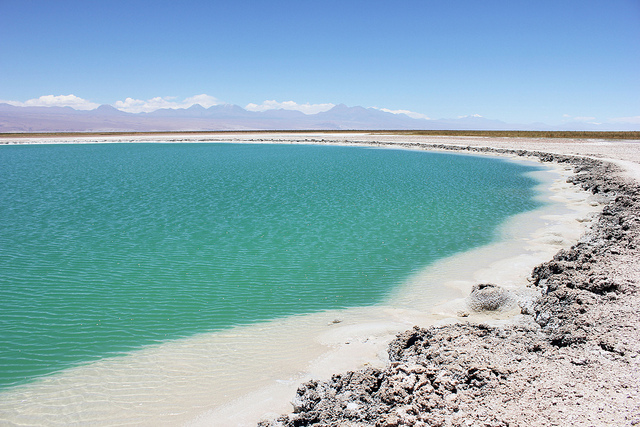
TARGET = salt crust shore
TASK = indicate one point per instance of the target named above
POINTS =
(556, 364)
(572, 359)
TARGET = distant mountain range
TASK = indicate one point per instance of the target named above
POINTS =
(232, 117)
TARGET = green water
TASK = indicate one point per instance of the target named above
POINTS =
(108, 247)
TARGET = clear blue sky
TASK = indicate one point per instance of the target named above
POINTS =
(517, 61)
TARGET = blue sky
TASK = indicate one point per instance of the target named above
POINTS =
(517, 61)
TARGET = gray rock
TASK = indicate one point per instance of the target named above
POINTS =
(489, 297)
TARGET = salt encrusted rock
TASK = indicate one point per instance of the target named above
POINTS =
(582, 351)
(489, 297)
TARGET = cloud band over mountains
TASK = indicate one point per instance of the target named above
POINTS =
(56, 101)
(132, 105)
(136, 106)
(290, 105)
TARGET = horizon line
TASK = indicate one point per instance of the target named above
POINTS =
(629, 135)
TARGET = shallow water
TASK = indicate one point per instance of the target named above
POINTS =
(106, 248)
(308, 225)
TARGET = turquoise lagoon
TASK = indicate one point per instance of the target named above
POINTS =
(107, 248)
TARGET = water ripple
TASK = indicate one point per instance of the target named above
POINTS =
(106, 248)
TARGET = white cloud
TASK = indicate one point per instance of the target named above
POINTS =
(131, 105)
(57, 101)
(633, 120)
(411, 114)
(203, 99)
(289, 105)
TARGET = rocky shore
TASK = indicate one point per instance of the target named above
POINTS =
(572, 359)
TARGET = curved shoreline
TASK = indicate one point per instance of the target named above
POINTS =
(458, 416)
(574, 360)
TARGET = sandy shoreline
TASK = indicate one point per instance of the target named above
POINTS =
(626, 154)
(571, 360)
